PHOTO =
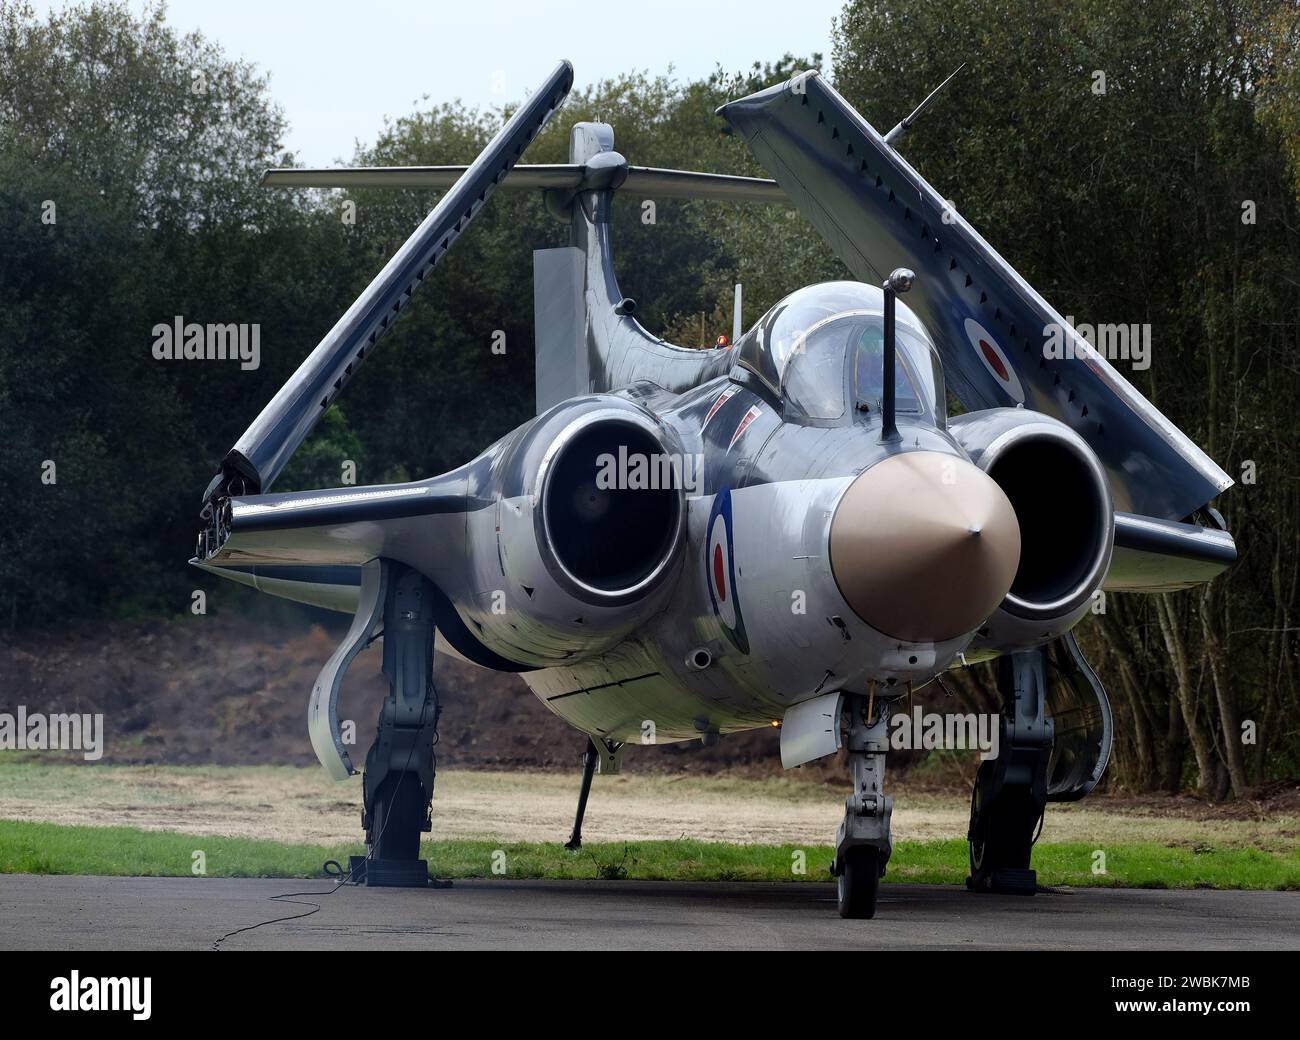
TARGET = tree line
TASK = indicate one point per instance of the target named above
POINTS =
(1137, 163)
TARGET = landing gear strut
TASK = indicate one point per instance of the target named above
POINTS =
(863, 845)
(603, 756)
(588, 770)
(1010, 792)
(399, 773)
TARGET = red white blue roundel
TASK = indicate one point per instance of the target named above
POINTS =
(721, 588)
(720, 567)
(994, 360)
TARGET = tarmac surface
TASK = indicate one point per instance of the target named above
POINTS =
(117, 913)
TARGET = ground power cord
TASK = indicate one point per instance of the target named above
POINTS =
(349, 878)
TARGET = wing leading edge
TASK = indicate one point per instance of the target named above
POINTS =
(1154, 555)
(347, 527)
(645, 180)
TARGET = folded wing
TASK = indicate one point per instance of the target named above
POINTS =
(877, 213)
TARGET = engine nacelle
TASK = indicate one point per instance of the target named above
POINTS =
(1067, 521)
(590, 523)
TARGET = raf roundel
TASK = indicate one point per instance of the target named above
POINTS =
(994, 360)
(719, 567)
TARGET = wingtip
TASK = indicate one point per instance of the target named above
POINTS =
(793, 85)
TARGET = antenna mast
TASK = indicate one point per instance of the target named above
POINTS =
(907, 122)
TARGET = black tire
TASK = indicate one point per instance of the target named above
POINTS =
(1001, 840)
(977, 841)
(397, 818)
(859, 882)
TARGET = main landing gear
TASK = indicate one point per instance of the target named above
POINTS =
(863, 845)
(398, 785)
(1010, 792)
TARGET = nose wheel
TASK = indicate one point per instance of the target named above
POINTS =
(859, 883)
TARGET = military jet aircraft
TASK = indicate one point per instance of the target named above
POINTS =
(637, 550)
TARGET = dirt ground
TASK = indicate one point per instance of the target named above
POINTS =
(223, 690)
(212, 691)
(300, 805)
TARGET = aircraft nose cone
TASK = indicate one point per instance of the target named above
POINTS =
(924, 546)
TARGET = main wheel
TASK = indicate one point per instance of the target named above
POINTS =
(1001, 841)
(398, 814)
(859, 882)
(978, 838)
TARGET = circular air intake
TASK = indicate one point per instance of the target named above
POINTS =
(611, 507)
(1062, 502)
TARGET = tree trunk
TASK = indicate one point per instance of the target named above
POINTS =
(1224, 697)
(1207, 765)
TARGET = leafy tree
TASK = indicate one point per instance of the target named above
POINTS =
(1125, 199)
(126, 198)
(1123, 204)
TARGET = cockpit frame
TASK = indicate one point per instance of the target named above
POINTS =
(797, 357)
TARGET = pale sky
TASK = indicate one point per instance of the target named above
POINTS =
(339, 66)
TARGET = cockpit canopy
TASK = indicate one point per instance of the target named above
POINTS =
(821, 351)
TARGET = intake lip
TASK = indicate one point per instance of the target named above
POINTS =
(1062, 501)
(924, 546)
(607, 546)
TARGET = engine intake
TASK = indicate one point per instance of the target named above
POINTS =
(585, 534)
(612, 506)
(1062, 501)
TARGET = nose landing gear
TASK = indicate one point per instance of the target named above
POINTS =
(863, 844)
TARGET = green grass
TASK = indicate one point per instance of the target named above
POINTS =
(44, 848)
